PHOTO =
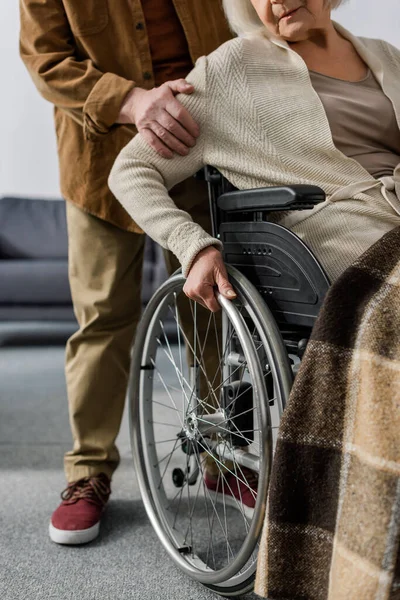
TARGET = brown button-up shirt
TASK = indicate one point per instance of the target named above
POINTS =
(84, 56)
(168, 45)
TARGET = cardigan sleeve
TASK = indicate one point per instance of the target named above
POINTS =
(140, 180)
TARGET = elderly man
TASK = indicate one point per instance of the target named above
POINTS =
(111, 69)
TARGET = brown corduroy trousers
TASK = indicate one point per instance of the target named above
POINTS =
(105, 271)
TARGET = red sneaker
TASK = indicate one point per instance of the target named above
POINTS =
(239, 492)
(77, 519)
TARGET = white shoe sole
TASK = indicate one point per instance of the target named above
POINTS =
(82, 536)
(231, 501)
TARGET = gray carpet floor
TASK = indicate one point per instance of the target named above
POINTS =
(127, 561)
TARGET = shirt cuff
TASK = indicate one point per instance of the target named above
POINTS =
(103, 104)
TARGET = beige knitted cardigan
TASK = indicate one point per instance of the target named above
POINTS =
(263, 124)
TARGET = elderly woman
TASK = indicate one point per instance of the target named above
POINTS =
(295, 99)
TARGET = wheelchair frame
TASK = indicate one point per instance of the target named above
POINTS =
(281, 287)
(281, 267)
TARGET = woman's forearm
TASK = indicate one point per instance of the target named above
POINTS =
(140, 180)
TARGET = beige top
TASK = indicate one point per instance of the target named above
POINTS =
(263, 124)
(362, 121)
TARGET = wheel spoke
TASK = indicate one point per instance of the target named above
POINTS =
(167, 390)
(181, 377)
(216, 513)
(180, 353)
(158, 463)
(180, 494)
(166, 406)
(194, 354)
(225, 468)
(160, 423)
(221, 464)
(167, 465)
(224, 429)
(210, 526)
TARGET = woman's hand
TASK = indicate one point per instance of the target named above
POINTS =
(161, 119)
(207, 273)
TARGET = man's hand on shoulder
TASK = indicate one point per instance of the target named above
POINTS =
(161, 119)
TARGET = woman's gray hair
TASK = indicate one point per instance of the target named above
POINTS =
(243, 18)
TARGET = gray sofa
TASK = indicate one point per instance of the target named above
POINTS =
(35, 298)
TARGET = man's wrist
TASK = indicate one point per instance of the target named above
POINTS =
(127, 113)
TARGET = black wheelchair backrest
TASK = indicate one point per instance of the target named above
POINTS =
(273, 258)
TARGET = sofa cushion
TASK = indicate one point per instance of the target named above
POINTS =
(36, 331)
(32, 228)
(10, 316)
(34, 282)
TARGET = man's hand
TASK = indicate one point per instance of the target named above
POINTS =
(207, 273)
(163, 122)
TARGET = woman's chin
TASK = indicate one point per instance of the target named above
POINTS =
(293, 32)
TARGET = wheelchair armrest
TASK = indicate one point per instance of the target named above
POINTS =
(295, 197)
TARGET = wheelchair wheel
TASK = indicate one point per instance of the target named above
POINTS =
(207, 394)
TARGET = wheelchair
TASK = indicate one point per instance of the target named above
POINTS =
(209, 392)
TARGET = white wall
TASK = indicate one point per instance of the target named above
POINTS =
(371, 18)
(28, 158)
(28, 161)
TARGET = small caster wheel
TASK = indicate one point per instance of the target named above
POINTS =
(178, 477)
(301, 348)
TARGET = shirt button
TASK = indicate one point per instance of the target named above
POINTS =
(139, 26)
(147, 75)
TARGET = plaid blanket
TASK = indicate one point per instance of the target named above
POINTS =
(332, 529)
